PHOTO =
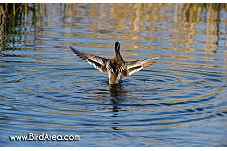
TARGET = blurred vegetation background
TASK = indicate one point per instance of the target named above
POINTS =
(15, 18)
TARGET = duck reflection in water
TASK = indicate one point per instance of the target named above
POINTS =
(117, 95)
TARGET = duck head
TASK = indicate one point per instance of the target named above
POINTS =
(117, 46)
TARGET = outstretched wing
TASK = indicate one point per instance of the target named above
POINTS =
(135, 66)
(98, 62)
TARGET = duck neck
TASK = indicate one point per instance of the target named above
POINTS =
(117, 56)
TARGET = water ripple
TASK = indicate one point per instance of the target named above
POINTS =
(179, 101)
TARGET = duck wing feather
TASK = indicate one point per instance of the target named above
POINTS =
(98, 62)
(137, 65)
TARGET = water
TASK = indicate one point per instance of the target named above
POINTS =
(178, 101)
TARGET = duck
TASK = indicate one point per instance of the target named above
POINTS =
(115, 67)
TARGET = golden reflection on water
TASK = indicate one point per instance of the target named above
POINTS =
(191, 38)
(136, 18)
(180, 24)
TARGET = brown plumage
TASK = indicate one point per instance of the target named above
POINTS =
(116, 67)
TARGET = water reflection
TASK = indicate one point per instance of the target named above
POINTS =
(140, 24)
(179, 101)
(117, 93)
